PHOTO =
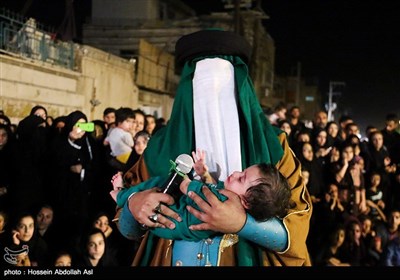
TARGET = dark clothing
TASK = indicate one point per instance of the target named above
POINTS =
(355, 255)
(31, 161)
(7, 175)
(391, 254)
(391, 140)
(72, 190)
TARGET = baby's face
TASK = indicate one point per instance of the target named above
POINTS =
(239, 182)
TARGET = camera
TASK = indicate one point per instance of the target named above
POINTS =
(88, 127)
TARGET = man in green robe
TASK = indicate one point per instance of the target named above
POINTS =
(216, 109)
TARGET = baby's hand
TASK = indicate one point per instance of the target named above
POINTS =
(184, 185)
(117, 181)
(199, 165)
(118, 184)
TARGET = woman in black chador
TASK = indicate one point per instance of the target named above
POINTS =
(73, 175)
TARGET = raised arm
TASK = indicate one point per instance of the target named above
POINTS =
(200, 166)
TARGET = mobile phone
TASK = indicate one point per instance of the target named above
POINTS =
(88, 127)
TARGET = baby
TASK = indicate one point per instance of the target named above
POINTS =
(263, 191)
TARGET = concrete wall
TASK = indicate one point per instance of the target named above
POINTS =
(99, 79)
(123, 11)
(24, 84)
(109, 78)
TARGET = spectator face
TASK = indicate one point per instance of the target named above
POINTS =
(377, 141)
(3, 138)
(375, 180)
(366, 226)
(348, 153)
(286, 127)
(25, 228)
(3, 121)
(345, 123)
(139, 118)
(60, 125)
(102, 223)
(295, 113)
(307, 151)
(303, 137)
(44, 218)
(353, 130)
(141, 144)
(96, 246)
(394, 219)
(391, 125)
(109, 118)
(335, 154)
(321, 138)
(281, 114)
(341, 237)
(361, 163)
(356, 230)
(370, 131)
(151, 124)
(63, 260)
(41, 113)
(333, 130)
(333, 191)
(354, 139)
(321, 119)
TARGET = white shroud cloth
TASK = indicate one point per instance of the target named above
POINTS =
(216, 119)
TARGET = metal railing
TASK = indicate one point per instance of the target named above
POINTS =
(28, 39)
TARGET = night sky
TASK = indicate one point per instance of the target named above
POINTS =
(356, 42)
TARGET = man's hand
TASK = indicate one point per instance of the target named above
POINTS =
(143, 204)
(226, 217)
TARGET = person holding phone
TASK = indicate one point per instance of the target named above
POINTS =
(76, 166)
(88, 126)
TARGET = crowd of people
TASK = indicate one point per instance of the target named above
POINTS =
(55, 184)
(354, 183)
